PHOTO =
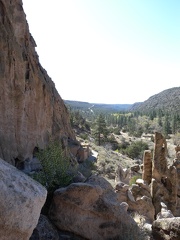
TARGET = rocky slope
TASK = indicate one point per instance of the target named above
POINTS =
(168, 100)
(31, 109)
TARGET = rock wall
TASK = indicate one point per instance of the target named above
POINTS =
(31, 108)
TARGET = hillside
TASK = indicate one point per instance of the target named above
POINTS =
(97, 107)
(167, 100)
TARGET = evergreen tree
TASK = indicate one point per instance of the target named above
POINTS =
(160, 121)
(166, 126)
(174, 119)
(131, 126)
(100, 130)
(152, 115)
(175, 123)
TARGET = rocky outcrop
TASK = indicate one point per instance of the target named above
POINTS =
(31, 109)
(165, 213)
(122, 175)
(80, 151)
(21, 200)
(166, 229)
(164, 178)
(92, 211)
(159, 184)
(138, 198)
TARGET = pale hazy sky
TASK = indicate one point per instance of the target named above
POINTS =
(107, 51)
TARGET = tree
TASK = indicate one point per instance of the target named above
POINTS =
(56, 167)
(131, 126)
(166, 126)
(175, 122)
(160, 121)
(100, 131)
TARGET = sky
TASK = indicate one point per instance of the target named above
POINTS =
(107, 51)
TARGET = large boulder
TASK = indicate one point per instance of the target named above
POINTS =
(31, 108)
(21, 200)
(166, 229)
(92, 211)
(44, 230)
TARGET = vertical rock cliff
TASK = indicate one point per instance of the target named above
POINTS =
(31, 109)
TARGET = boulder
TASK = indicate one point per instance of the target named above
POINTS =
(44, 230)
(21, 201)
(166, 229)
(121, 190)
(135, 168)
(79, 177)
(165, 213)
(139, 191)
(142, 184)
(144, 207)
(92, 211)
(122, 175)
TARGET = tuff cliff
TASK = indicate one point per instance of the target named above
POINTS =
(31, 109)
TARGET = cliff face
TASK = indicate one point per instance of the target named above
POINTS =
(31, 109)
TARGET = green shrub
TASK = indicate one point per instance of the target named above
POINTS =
(116, 131)
(133, 179)
(136, 149)
(56, 168)
(123, 145)
(83, 136)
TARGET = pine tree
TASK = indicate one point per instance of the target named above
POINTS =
(166, 126)
(100, 130)
(174, 120)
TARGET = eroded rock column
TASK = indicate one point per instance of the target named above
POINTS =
(164, 182)
(147, 167)
(159, 163)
